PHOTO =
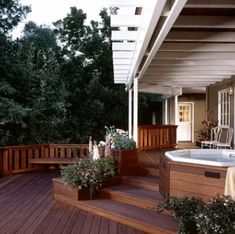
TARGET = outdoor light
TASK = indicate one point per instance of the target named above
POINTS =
(230, 91)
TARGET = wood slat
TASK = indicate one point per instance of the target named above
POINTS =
(27, 206)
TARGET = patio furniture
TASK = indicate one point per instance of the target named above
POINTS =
(214, 138)
(225, 140)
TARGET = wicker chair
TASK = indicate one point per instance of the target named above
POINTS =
(226, 137)
(214, 138)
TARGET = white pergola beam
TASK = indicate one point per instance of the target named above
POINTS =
(195, 55)
(186, 21)
(125, 21)
(117, 61)
(124, 35)
(121, 67)
(210, 4)
(121, 54)
(175, 76)
(199, 36)
(148, 88)
(152, 14)
(162, 72)
(175, 11)
(197, 47)
(190, 68)
(192, 62)
(182, 79)
(123, 46)
(125, 3)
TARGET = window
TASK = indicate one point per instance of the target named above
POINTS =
(224, 107)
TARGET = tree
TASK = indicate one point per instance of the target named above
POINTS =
(94, 100)
(33, 97)
(11, 13)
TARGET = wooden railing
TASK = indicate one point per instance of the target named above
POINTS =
(156, 137)
(15, 159)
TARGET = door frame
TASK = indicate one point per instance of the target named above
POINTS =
(192, 117)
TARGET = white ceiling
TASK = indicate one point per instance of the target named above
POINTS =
(173, 45)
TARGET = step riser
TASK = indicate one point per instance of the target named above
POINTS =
(126, 199)
(112, 216)
(152, 171)
(140, 184)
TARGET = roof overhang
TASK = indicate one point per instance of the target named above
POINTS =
(173, 45)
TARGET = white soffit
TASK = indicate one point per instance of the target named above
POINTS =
(188, 44)
(135, 21)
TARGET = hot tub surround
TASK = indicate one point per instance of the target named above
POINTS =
(179, 178)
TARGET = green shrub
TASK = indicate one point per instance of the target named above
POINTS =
(217, 216)
(184, 210)
(88, 173)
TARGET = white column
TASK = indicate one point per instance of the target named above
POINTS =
(176, 116)
(176, 110)
(130, 114)
(135, 122)
(165, 111)
(154, 118)
(233, 114)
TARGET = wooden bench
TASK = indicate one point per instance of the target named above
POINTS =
(52, 163)
(53, 160)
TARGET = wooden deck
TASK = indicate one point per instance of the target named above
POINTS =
(27, 206)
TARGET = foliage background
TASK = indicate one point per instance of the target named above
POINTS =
(57, 85)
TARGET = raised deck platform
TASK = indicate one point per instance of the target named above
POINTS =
(27, 206)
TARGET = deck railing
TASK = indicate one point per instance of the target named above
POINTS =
(15, 159)
(156, 137)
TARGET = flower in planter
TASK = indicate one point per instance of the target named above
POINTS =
(93, 149)
(88, 173)
(118, 139)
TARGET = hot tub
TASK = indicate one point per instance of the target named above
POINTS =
(195, 172)
(210, 157)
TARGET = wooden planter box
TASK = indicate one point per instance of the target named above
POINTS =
(62, 189)
(126, 161)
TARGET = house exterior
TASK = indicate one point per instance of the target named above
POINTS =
(181, 49)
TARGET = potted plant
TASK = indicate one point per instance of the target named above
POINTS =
(79, 181)
(204, 133)
(123, 151)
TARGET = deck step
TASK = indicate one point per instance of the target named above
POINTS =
(146, 182)
(140, 197)
(154, 171)
(142, 219)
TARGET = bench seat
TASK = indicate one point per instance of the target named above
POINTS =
(53, 160)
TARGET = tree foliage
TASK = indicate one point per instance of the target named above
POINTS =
(11, 13)
(57, 85)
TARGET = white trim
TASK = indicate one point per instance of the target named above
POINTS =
(135, 121)
(176, 110)
(165, 111)
(130, 114)
(224, 102)
(192, 118)
(174, 13)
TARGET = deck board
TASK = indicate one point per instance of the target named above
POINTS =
(27, 206)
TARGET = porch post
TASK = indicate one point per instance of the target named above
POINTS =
(176, 110)
(165, 111)
(135, 124)
(176, 115)
(130, 114)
